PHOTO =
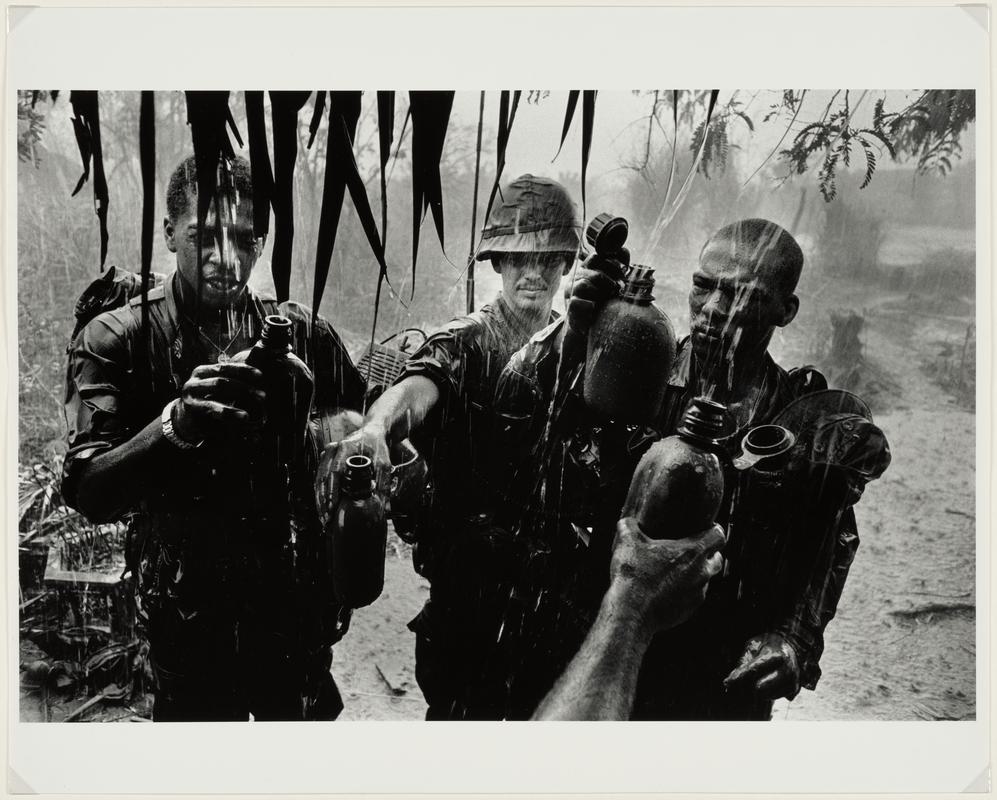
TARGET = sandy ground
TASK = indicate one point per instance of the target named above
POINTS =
(903, 645)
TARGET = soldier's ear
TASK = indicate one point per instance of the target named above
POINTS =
(170, 235)
(791, 307)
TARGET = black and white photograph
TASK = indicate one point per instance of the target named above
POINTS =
(495, 404)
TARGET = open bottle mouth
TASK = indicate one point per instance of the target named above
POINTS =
(768, 440)
(359, 462)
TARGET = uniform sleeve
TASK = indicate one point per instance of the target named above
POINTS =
(450, 358)
(98, 380)
(338, 383)
(862, 455)
(805, 627)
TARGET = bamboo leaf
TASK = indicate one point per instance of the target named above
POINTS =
(385, 135)
(147, 161)
(569, 113)
(344, 113)
(259, 162)
(588, 119)
(207, 115)
(86, 125)
(284, 108)
(316, 117)
(507, 115)
(430, 116)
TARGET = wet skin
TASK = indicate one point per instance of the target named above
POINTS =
(228, 252)
(736, 302)
(529, 282)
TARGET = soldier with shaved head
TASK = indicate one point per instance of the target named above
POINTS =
(759, 634)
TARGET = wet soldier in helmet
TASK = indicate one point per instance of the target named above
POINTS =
(443, 402)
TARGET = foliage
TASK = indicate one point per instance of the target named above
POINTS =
(30, 126)
(834, 137)
(928, 129)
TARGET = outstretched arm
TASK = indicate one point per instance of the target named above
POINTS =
(655, 585)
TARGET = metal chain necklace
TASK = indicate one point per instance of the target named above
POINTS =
(222, 352)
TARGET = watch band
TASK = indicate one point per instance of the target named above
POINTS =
(170, 434)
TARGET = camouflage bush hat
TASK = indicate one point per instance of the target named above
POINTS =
(531, 214)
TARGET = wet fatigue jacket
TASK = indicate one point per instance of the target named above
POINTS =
(459, 548)
(234, 596)
(568, 505)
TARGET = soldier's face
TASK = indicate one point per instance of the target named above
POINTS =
(530, 280)
(228, 251)
(736, 302)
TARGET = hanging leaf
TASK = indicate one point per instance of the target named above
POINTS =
(430, 116)
(207, 115)
(86, 125)
(385, 134)
(344, 113)
(259, 163)
(147, 162)
(569, 114)
(316, 117)
(469, 289)
(284, 108)
(588, 119)
(507, 114)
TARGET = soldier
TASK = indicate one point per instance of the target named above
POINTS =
(234, 598)
(443, 399)
(759, 634)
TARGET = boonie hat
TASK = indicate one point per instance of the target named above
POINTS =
(531, 214)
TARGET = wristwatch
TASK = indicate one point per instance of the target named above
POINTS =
(170, 434)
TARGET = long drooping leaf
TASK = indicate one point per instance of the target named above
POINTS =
(507, 115)
(259, 162)
(344, 112)
(385, 135)
(284, 108)
(469, 298)
(316, 117)
(430, 117)
(569, 114)
(86, 125)
(208, 115)
(588, 119)
(147, 161)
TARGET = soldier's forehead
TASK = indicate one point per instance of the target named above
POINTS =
(739, 260)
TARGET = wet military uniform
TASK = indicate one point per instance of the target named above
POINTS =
(568, 507)
(234, 598)
(459, 548)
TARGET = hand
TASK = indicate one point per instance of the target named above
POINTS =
(219, 400)
(368, 440)
(663, 580)
(592, 284)
(769, 666)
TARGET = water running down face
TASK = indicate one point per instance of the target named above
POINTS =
(741, 291)
(530, 280)
(228, 252)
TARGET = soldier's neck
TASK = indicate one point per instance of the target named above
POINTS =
(213, 320)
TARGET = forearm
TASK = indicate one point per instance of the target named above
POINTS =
(403, 407)
(111, 480)
(601, 680)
